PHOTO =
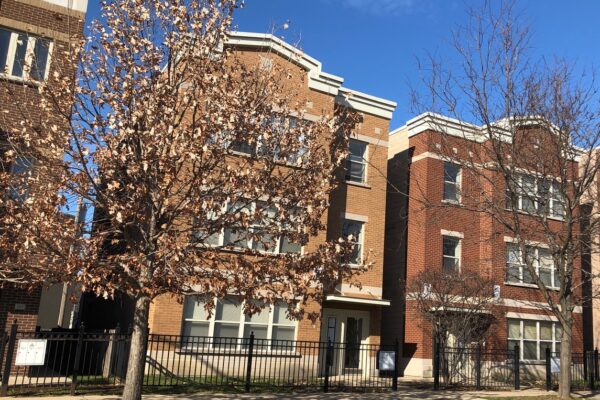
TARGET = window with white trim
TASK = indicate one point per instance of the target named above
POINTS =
(536, 196)
(533, 338)
(540, 258)
(356, 163)
(259, 236)
(229, 321)
(20, 170)
(354, 229)
(24, 56)
(452, 181)
(451, 254)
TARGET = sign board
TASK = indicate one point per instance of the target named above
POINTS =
(554, 365)
(31, 352)
(387, 360)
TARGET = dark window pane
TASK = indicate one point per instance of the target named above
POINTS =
(236, 237)
(195, 328)
(530, 350)
(450, 246)
(19, 62)
(289, 247)
(4, 42)
(450, 191)
(451, 172)
(40, 59)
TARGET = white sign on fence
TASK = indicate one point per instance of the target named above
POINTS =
(387, 360)
(554, 364)
(31, 352)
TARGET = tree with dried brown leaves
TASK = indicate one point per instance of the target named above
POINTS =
(188, 155)
(528, 157)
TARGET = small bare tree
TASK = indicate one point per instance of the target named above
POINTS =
(527, 159)
(457, 309)
(187, 154)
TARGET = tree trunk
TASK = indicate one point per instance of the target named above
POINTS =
(137, 354)
(564, 379)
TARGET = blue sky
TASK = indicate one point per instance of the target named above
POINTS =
(373, 44)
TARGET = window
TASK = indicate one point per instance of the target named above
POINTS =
(356, 163)
(354, 229)
(229, 321)
(24, 56)
(536, 195)
(451, 254)
(253, 237)
(534, 337)
(540, 258)
(20, 169)
(452, 179)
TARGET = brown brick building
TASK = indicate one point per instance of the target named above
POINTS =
(356, 206)
(422, 238)
(34, 35)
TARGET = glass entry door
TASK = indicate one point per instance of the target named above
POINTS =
(353, 340)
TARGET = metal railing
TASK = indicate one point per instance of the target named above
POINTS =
(80, 360)
(477, 368)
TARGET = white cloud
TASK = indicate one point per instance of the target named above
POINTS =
(379, 7)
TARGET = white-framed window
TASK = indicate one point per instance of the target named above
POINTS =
(451, 254)
(536, 195)
(452, 182)
(354, 229)
(19, 189)
(533, 338)
(541, 259)
(356, 163)
(229, 321)
(24, 56)
(243, 238)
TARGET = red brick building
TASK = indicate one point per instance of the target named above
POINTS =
(421, 238)
(349, 314)
(33, 37)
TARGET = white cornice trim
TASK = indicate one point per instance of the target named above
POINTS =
(317, 79)
(78, 5)
(366, 103)
(357, 300)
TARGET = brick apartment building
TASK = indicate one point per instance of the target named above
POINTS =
(425, 238)
(357, 206)
(33, 36)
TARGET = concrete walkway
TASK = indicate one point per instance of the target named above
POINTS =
(403, 393)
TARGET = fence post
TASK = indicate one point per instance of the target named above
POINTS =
(328, 362)
(77, 359)
(517, 372)
(478, 366)
(396, 367)
(10, 350)
(548, 369)
(589, 359)
(249, 362)
(596, 369)
(436, 365)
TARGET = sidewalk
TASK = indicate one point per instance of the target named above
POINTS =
(402, 393)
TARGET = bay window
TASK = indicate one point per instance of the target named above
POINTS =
(535, 195)
(533, 338)
(229, 321)
(539, 257)
(24, 56)
(259, 236)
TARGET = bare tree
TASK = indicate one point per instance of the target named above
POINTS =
(457, 309)
(526, 156)
(175, 142)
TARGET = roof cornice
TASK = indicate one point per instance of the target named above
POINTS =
(317, 79)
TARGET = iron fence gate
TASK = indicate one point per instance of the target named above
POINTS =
(81, 360)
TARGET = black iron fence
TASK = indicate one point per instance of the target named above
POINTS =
(71, 361)
(474, 367)
(477, 368)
